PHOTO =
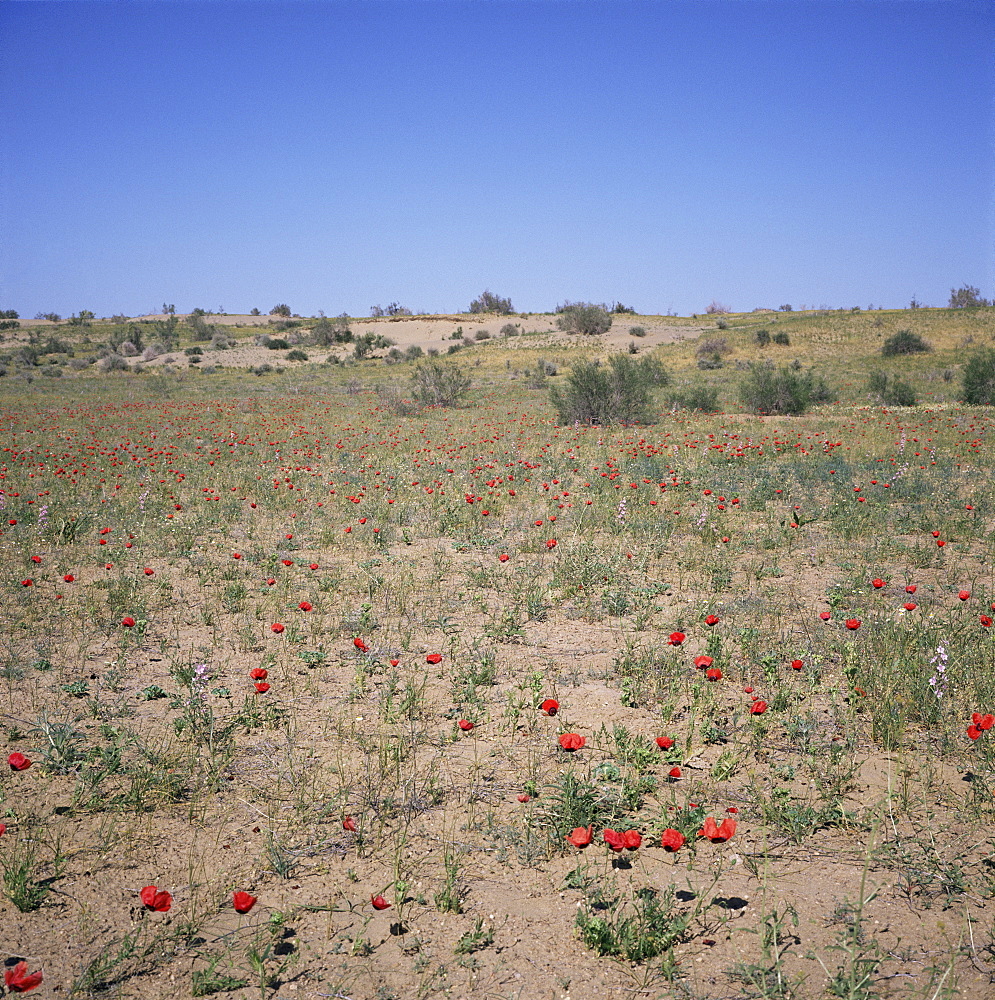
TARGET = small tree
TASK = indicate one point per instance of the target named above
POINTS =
(978, 388)
(491, 303)
(714, 308)
(83, 318)
(280, 310)
(905, 342)
(619, 392)
(788, 391)
(966, 297)
(332, 331)
(440, 383)
(583, 317)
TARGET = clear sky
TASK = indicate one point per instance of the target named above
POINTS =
(335, 155)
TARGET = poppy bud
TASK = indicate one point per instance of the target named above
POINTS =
(379, 903)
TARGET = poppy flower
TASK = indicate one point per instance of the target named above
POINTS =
(964, 595)
(853, 624)
(703, 661)
(748, 690)
(128, 622)
(550, 706)
(270, 581)
(36, 559)
(288, 537)
(69, 578)
(940, 542)
(394, 663)
(19, 980)
(465, 724)
(877, 584)
(712, 620)
(3, 829)
(825, 615)
(713, 674)
(674, 773)
(797, 664)
(615, 840)
(287, 562)
(551, 543)
(725, 538)
(360, 645)
(580, 836)
(984, 722)
(305, 606)
(313, 566)
(379, 903)
(985, 620)
(259, 673)
(572, 741)
(632, 839)
(433, 658)
(236, 555)
(672, 840)
(503, 557)
(243, 902)
(718, 833)
(910, 605)
(149, 571)
(18, 762)
(935, 534)
(349, 824)
(676, 638)
(277, 627)
(27, 583)
(758, 707)
(261, 687)
(664, 742)
(524, 798)
(156, 899)
(911, 588)
(973, 732)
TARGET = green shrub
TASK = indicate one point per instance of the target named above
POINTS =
(893, 392)
(966, 297)
(978, 388)
(788, 391)
(440, 383)
(905, 342)
(277, 344)
(491, 303)
(413, 352)
(482, 335)
(696, 397)
(583, 317)
(619, 392)
(296, 355)
(637, 331)
(509, 330)
(762, 337)
(332, 331)
(781, 338)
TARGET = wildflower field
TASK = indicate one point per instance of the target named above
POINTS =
(303, 697)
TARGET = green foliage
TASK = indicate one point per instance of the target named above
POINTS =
(276, 344)
(893, 392)
(583, 317)
(297, 355)
(696, 397)
(491, 303)
(619, 392)
(638, 929)
(781, 338)
(83, 318)
(440, 383)
(367, 343)
(786, 391)
(280, 310)
(978, 387)
(637, 331)
(394, 309)
(905, 342)
(762, 337)
(332, 331)
(9, 314)
(966, 297)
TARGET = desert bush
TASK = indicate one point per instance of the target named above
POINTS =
(978, 386)
(50, 316)
(393, 356)
(191, 351)
(221, 342)
(365, 344)
(712, 346)
(619, 392)
(276, 344)
(905, 342)
(509, 330)
(127, 349)
(781, 338)
(153, 351)
(762, 338)
(280, 310)
(966, 297)
(394, 309)
(583, 317)
(331, 331)
(413, 352)
(296, 355)
(113, 363)
(892, 392)
(482, 335)
(440, 383)
(716, 308)
(392, 401)
(786, 390)
(491, 303)
(637, 331)
(696, 397)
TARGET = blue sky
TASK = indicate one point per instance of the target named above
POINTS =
(337, 155)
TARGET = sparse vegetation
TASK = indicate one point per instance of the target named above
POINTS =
(584, 318)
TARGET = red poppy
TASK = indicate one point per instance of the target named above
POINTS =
(910, 605)
(524, 798)
(983, 721)
(853, 624)
(718, 833)
(935, 534)
(128, 622)
(379, 903)
(349, 824)
(3, 829)
(551, 543)
(632, 839)
(19, 980)
(758, 707)
(703, 661)
(27, 583)
(973, 732)
(305, 605)
(465, 724)
(36, 559)
(985, 620)
(940, 542)
(271, 581)
(797, 664)
(825, 615)
(748, 690)
(580, 836)
(664, 742)
(676, 638)
(877, 584)
(287, 562)
(550, 706)
(503, 557)
(277, 627)
(243, 902)
(964, 595)
(713, 674)
(672, 840)
(572, 741)
(394, 663)
(236, 555)
(712, 620)
(18, 762)
(149, 571)
(674, 773)
(261, 687)
(911, 588)
(69, 578)
(259, 673)
(616, 841)
(725, 538)
(313, 566)
(433, 658)
(360, 645)
(288, 537)
(156, 899)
